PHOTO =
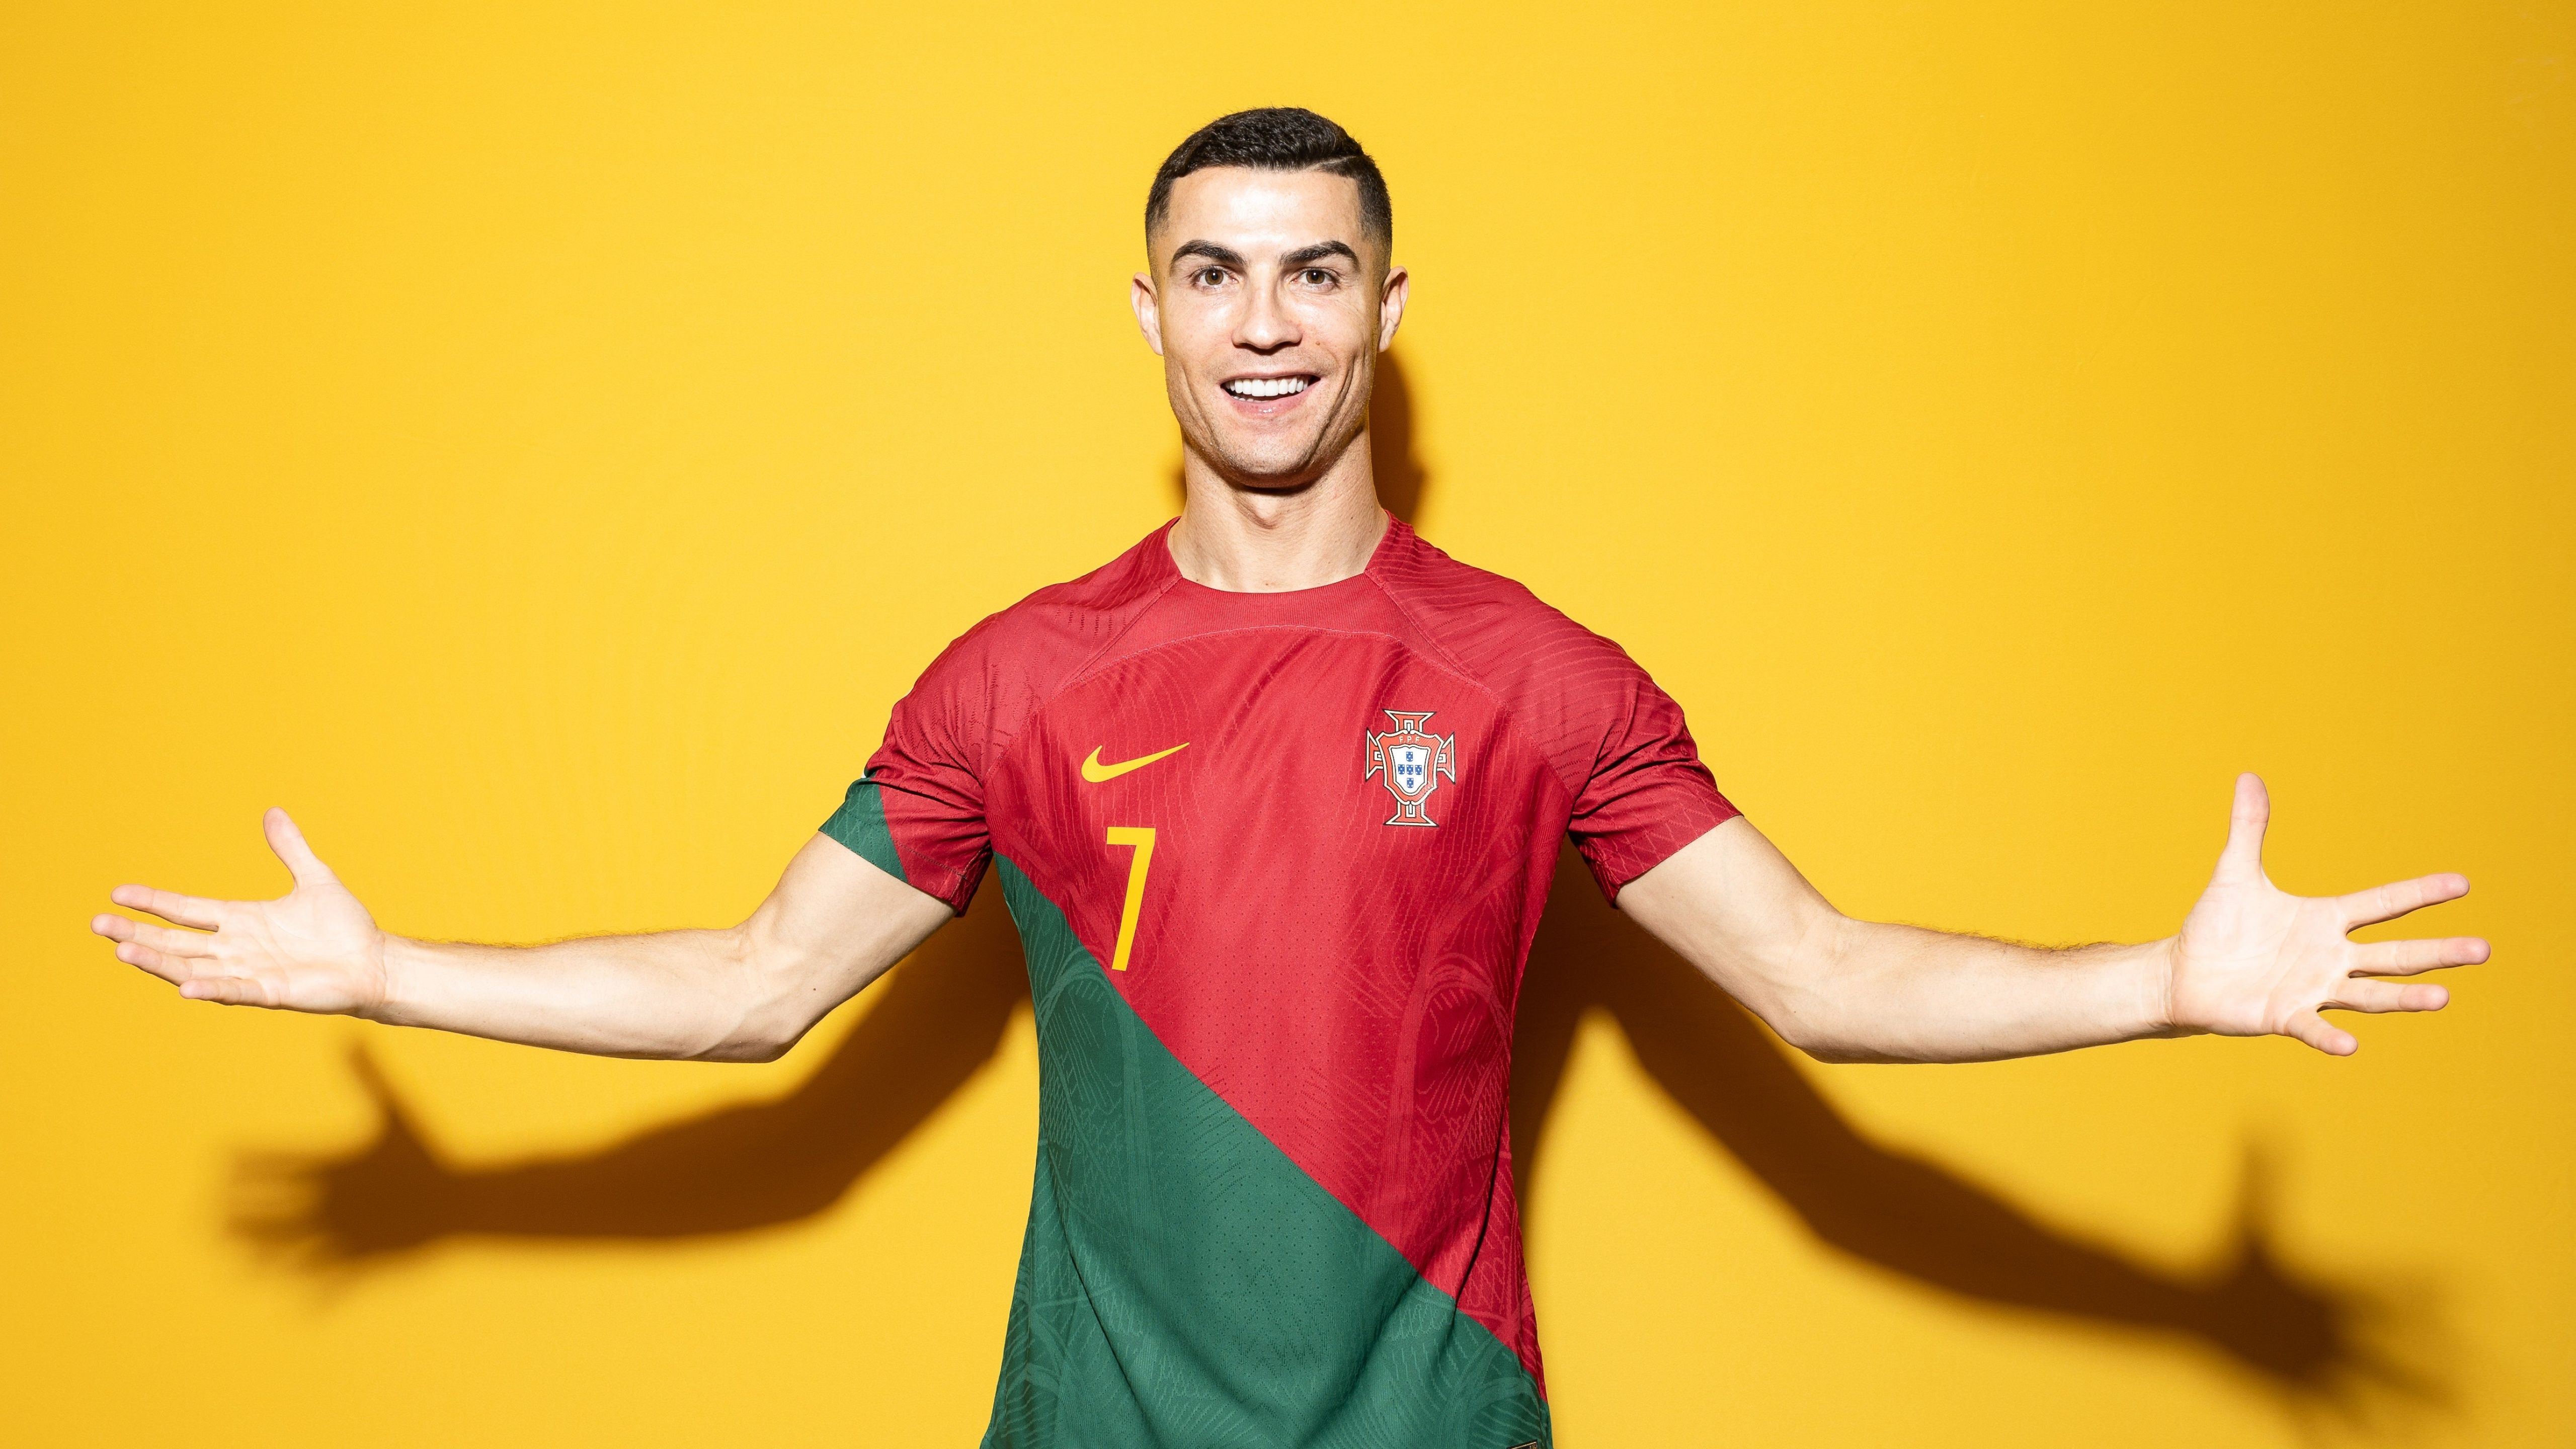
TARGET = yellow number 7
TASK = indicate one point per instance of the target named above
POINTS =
(1141, 837)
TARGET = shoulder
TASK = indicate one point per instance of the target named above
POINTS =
(1052, 631)
(996, 673)
(1573, 694)
(1493, 628)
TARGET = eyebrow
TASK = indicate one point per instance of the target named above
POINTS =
(1308, 256)
(1228, 257)
(1222, 256)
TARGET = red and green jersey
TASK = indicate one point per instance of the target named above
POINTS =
(1275, 860)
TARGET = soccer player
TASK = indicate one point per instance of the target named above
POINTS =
(1274, 798)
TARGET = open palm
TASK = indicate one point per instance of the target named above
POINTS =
(2254, 960)
(314, 948)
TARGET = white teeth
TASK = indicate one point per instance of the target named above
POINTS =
(1261, 387)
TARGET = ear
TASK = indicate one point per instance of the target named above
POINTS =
(1390, 305)
(1149, 310)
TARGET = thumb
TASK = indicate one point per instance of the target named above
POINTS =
(398, 1123)
(288, 842)
(2242, 860)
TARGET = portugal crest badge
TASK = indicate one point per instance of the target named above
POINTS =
(1413, 760)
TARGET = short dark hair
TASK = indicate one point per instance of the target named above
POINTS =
(1276, 138)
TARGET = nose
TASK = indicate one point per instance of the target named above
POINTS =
(1266, 326)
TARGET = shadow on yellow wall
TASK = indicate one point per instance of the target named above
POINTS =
(943, 1014)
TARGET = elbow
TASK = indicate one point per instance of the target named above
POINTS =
(1847, 1048)
(1837, 1051)
(750, 1042)
(1814, 1001)
(769, 1030)
(750, 1045)
(1797, 1017)
(772, 1008)
(1836, 1054)
(1819, 1045)
(781, 1030)
(1809, 1021)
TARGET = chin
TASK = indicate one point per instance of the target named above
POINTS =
(1279, 465)
(1272, 472)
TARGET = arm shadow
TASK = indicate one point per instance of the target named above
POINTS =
(942, 1014)
(2308, 1340)
(935, 1020)
(931, 1024)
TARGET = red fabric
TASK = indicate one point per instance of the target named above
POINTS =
(1347, 984)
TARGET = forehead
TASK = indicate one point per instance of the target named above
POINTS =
(1257, 212)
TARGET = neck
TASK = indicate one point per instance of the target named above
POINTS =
(1269, 540)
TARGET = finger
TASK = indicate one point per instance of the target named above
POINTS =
(2317, 1032)
(2388, 902)
(371, 1077)
(285, 839)
(2405, 958)
(190, 944)
(2243, 857)
(2365, 994)
(160, 939)
(178, 971)
(226, 990)
(194, 911)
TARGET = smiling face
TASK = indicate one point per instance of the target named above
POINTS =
(1269, 306)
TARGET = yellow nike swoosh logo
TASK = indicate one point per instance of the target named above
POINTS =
(1096, 772)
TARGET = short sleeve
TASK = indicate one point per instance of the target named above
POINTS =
(917, 812)
(1647, 794)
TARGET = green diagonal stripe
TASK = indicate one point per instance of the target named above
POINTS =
(860, 824)
(1184, 1284)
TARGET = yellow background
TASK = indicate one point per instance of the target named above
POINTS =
(537, 444)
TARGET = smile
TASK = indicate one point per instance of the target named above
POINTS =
(1259, 389)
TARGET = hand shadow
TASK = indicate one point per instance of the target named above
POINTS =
(2307, 1340)
(941, 1015)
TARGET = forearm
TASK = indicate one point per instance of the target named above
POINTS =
(2251, 960)
(834, 924)
(1851, 990)
(1875, 992)
(705, 994)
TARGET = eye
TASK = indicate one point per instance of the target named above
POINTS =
(1211, 276)
(1318, 277)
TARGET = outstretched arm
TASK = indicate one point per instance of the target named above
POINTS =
(746, 993)
(2250, 960)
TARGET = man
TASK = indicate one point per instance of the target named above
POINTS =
(1274, 799)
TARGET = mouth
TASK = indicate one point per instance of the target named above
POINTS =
(1269, 394)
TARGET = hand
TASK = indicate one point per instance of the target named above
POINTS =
(313, 949)
(2254, 960)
